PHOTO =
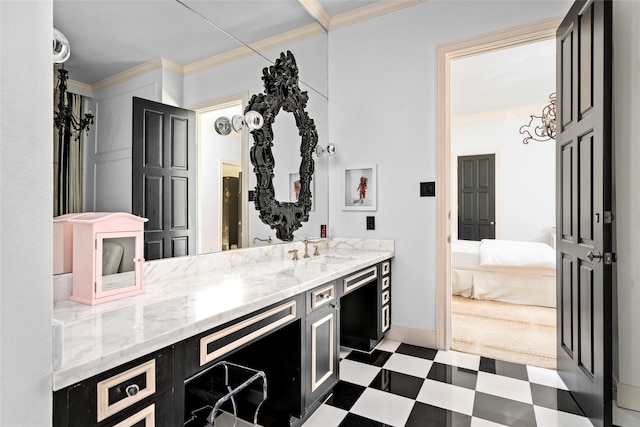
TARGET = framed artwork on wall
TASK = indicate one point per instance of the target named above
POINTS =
(294, 189)
(360, 188)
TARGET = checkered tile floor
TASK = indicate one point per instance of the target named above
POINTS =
(404, 385)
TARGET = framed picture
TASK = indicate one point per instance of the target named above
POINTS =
(360, 188)
(294, 189)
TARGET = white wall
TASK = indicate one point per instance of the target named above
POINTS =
(526, 177)
(382, 110)
(26, 160)
(626, 64)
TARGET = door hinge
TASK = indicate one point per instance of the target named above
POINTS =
(608, 217)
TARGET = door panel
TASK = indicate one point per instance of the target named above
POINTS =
(476, 197)
(164, 177)
(584, 190)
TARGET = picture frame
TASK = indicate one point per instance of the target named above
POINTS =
(294, 182)
(360, 188)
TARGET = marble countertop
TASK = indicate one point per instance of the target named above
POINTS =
(186, 296)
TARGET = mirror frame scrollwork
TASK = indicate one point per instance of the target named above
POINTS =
(281, 91)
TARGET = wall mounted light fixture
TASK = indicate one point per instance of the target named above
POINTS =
(329, 149)
(542, 128)
(252, 121)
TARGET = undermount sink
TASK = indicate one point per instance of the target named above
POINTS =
(330, 259)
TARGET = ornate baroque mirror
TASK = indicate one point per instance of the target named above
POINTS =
(281, 91)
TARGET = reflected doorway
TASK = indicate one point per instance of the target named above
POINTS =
(231, 218)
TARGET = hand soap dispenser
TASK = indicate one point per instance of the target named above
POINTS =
(107, 256)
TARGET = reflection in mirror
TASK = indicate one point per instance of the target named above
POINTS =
(118, 266)
(182, 60)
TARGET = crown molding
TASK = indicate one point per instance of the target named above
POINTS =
(242, 52)
(371, 11)
(315, 9)
(139, 70)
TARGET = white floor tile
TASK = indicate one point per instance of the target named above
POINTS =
(410, 365)
(543, 376)
(447, 396)
(461, 360)
(552, 418)
(326, 416)
(388, 345)
(509, 388)
(357, 373)
(384, 407)
(479, 422)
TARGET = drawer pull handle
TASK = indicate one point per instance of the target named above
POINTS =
(132, 390)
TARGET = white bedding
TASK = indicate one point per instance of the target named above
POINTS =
(507, 253)
(503, 271)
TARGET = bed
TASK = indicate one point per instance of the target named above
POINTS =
(504, 270)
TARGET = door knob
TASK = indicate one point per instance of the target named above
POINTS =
(591, 256)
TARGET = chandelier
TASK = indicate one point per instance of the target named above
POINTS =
(63, 118)
(542, 128)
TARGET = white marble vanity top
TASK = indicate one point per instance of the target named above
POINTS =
(189, 295)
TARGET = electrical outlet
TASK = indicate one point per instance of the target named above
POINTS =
(371, 223)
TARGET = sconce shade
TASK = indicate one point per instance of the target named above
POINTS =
(61, 47)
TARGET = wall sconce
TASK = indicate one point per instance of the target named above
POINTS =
(330, 150)
(252, 121)
(63, 118)
(547, 129)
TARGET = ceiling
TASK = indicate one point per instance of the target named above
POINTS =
(108, 37)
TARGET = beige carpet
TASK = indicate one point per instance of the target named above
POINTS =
(499, 330)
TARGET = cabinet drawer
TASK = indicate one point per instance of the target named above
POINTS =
(321, 296)
(386, 281)
(221, 342)
(145, 417)
(386, 267)
(125, 389)
(386, 296)
(386, 318)
(360, 278)
(110, 397)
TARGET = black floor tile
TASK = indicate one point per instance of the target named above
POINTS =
(414, 350)
(345, 395)
(453, 375)
(397, 383)
(503, 411)
(376, 357)
(353, 420)
(423, 415)
(553, 398)
(506, 369)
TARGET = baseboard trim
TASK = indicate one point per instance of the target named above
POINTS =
(413, 336)
(628, 396)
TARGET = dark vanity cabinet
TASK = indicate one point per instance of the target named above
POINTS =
(295, 342)
(322, 348)
(138, 393)
(365, 306)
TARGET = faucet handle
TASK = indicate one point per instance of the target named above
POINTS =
(295, 254)
(316, 252)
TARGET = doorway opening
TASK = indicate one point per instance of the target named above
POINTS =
(478, 125)
(222, 183)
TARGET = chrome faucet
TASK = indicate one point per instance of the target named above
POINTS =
(306, 246)
(268, 240)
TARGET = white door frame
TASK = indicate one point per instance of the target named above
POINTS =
(530, 33)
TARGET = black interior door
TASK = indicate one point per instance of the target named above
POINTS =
(584, 207)
(477, 197)
(164, 177)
